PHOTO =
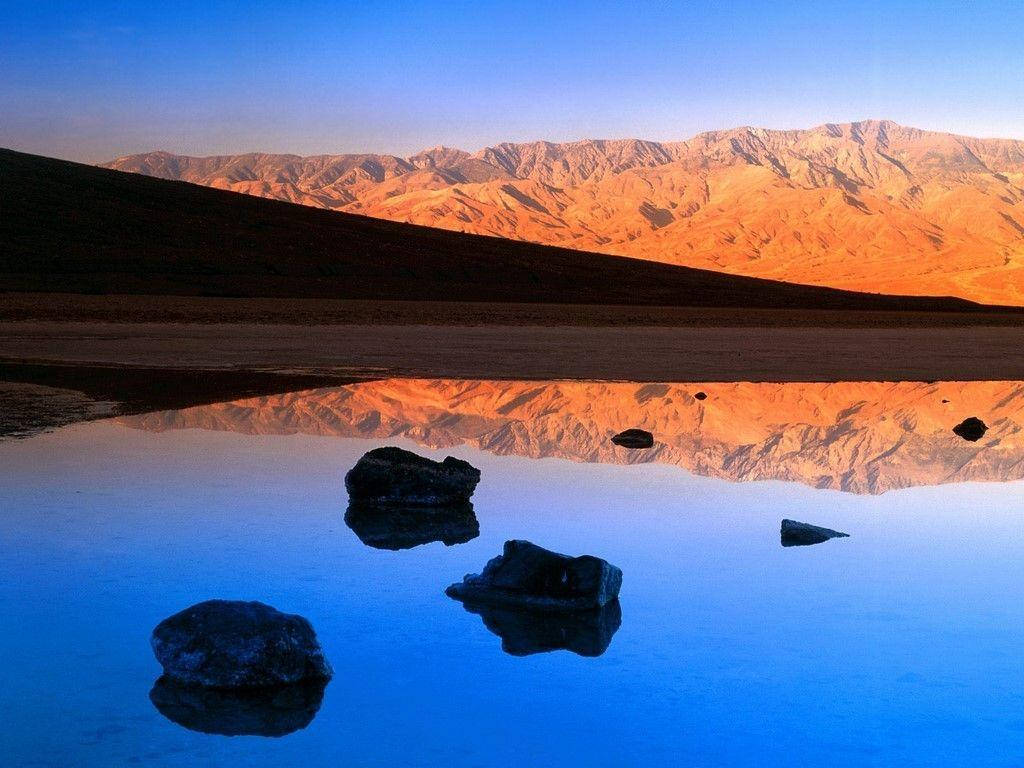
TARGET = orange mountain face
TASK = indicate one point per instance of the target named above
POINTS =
(869, 206)
(859, 437)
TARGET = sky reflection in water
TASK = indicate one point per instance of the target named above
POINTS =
(898, 645)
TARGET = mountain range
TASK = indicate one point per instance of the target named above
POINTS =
(869, 206)
(858, 437)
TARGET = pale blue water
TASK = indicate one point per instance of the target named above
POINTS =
(901, 645)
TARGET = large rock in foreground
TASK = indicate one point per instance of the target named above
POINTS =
(523, 633)
(796, 534)
(396, 476)
(634, 438)
(534, 578)
(233, 644)
(274, 711)
(971, 429)
(403, 527)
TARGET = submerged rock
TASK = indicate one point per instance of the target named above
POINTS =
(396, 476)
(398, 527)
(275, 711)
(522, 633)
(531, 577)
(234, 644)
(971, 429)
(634, 438)
(796, 534)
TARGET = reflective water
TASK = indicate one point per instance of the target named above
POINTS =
(899, 645)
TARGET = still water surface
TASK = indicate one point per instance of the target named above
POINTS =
(900, 645)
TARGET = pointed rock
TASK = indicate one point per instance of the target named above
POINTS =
(797, 534)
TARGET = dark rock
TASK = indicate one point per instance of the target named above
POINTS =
(795, 534)
(233, 644)
(396, 476)
(971, 429)
(634, 438)
(522, 632)
(532, 577)
(396, 527)
(700, 396)
(275, 711)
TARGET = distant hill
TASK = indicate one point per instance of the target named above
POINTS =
(869, 206)
(76, 228)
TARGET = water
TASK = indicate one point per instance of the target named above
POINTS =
(897, 646)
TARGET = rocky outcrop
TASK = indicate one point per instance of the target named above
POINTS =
(797, 534)
(531, 577)
(275, 711)
(393, 476)
(634, 438)
(971, 429)
(233, 645)
(523, 633)
(398, 527)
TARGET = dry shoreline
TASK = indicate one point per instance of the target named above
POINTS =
(634, 353)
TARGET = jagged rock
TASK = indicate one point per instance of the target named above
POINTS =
(796, 534)
(234, 644)
(396, 476)
(275, 711)
(634, 438)
(971, 429)
(531, 577)
(522, 633)
(396, 527)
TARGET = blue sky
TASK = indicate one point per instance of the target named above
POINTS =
(93, 80)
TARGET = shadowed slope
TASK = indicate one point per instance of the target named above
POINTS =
(75, 228)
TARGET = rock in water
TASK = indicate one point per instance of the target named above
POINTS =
(396, 476)
(275, 711)
(534, 578)
(634, 438)
(233, 644)
(971, 429)
(399, 527)
(522, 633)
(795, 534)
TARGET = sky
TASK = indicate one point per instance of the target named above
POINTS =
(95, 80)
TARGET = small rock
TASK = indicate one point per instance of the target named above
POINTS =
(275, 711)
(971, 429)
(234, 644)
(523, 633)
(701, 396)
(534, 578)
(395, 527)
(396, 476)
(634, 438)
(796, 534)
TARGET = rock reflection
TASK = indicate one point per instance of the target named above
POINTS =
(523, 633)
(860, 437)
(248, 712)
(397, 527)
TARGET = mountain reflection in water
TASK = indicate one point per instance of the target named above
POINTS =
(852, 436)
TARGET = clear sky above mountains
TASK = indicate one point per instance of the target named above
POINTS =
(90, 81)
